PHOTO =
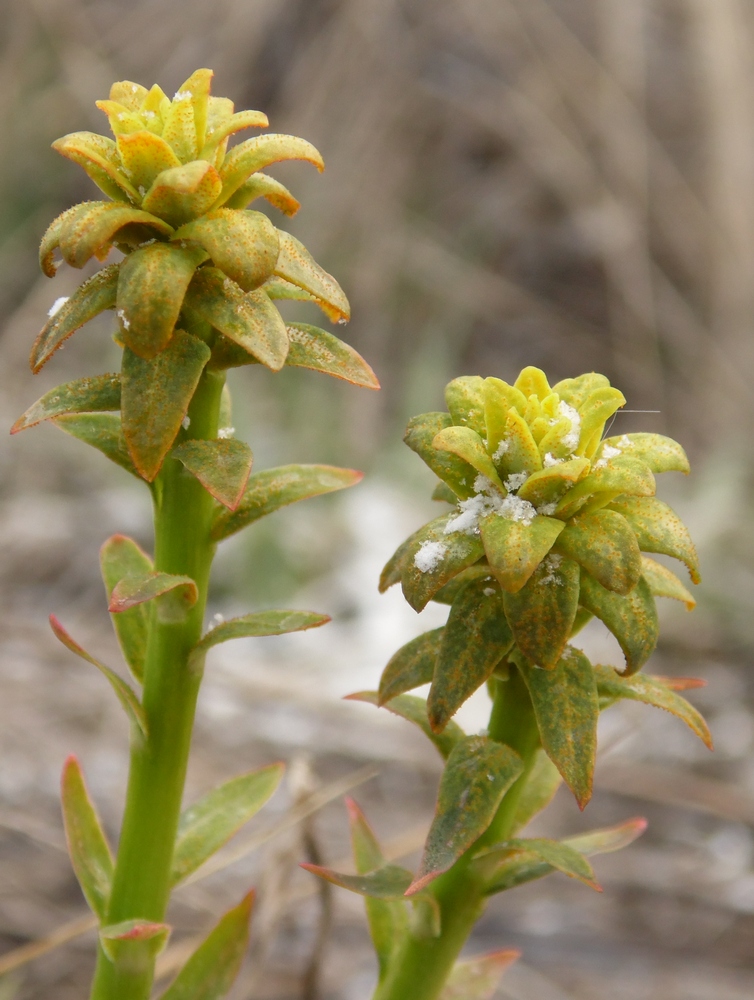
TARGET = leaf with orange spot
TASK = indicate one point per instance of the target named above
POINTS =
(222, 126)
(297, 265)
(414, 710)
(183, 193)
(244, 245)
(102, 431)
(99, 392)
(96, 225)
(88, 848)
(262, 186)
(664, 583)
(261, 151)
(121, 557)
(98, 156)
(542, 613)
(514, 549)
(174, 594)
(478, 978)
(412, 666)
(122, 120)
(631, 618)
(145, 155)
(179, 128)
(222, 467)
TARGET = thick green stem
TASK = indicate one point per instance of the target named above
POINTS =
(142, 882)
(420, 967)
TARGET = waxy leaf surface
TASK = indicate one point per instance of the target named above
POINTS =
(478, 978)
(297, 265)
(514, 549)
(259, 623)
(219, 128)
(468, 446)
(664, 583)
(98, 156)
(222, 467)
(412, 666)
(102, 431)
(477, 775)
(632, 619)
(99, 392)
(243, 244)
(183, 193)
(121, 557)
(215, 818)
(548, 485)
(176, 594)
(145, 156)
(420, 433)
(619, 475)
(659, 529)
(319, 350)
(660, 453)
(605, 545)
(88, 848)
(387, 882)
(543, 781)
(557, 855)
(134, 944)
(414, 709)
(542, 613)
(155, 395)
(261, 151)
(464, 398)
(95, 227)
(262, 186)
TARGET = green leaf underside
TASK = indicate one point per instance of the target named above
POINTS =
(414, 709)
(412, 666)
(214, 819)
(296, 264)
(262, 186)
(557, 855)
(274, 488)
(100, 392)
(89, 851)
(387, 882)
(443, 493)
(660, 453)
(213, 967)
(474, 640)
(90, 299)
(176, 594)
(542, 783)
(102, 431)
(566, 708)
(242, 244)
(121, 557)
(151, 286)
(605, 545)
(155, 396)
(478, 978)
(542, 613)
(464, 398)
(477, 775)
(468, 446)
(134, 943)
(652, 691)
(249, 320)
(527, 866)
(451, 590)
(632, 619)
(515, 549)
(659, 529)
(617, 476)
(319, 350)
(259, 623)
(222, 466)
(124, 693)
(662, 582)
(420, 433)
(95, 226)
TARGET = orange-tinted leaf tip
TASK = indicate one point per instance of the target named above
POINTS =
(355, 813)
(418, 884)
(317, 870)
(681, 683)
(502, 959)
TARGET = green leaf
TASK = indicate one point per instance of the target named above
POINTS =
(275, 488)
(260, 152)
(215, 818)
(174, 594)
(605, 545)
(95, 226)
(474, 640)
(441, 555)
(262, 186)
(499, 397)
(541, 784)
(659, 529)
(121, 557)
(521, 453)
(632, 619)
(221, 125)
(514, 548)
(134, 944)
(249, 320)
(367, 852)
(477, 775)
(152, 283)
(144, 156)
(100, 392)
(566, 708)
(88, 848)
(442, 492)
(387, 882)
(464, 398)
(179, 128)
(664, 583)
(130, 703)
(414, 709)
(478, 978)
(213, 967)
(222, 466)
(595, 411)
(548, 485)
(652, 691)
(98, 156)
(89, 300)
(559, 856)
(244, 245)
(542, 613)
(183, 193)
(660, 453)
(468, 446)
(296, 264)
(448, 593)
(319, 350)
(102, 431)
(259, 623)
(412, 666)
(420, 433)
(155, 395)
(618, 475)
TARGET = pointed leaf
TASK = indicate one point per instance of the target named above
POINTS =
(198, 87)
(214, 819)
(412, 666)
(261, 151)
(102, 431)
(595, 411)
(90, 853)
(478, 978)
(134, 944)
(145, 156)
(244, 245)
(632, 619)
(155, 395)
(561, 857)
(313, 348)
(121, 557)
(89, 300)
(98, 156)
(100, 392)
(96, 226)
(414, 709)
(259, 623)
(542, 783)
(387, 882)
(660, 453)
(442, 492)
(174, 594)
(183, 193)
(659, 529)
(566, 708)
(262, 186)
(125, 695)
(550, 484)
(515, 548)
(464, 398)
(468, 446)
(249, 320)
(519, 451)
(297, 265)
(478, 773)
(366, 849)
(652, 691)
(220, 127)
(123, 119)
(605, 545)
(616, 476)
(129, 94)
(474, 641)
(222, 467)
(499, 397)
(179, 127)
(541, 615)
(274, 488)
(664, 583)
(51, 239)
(420, 433)
(609, 838)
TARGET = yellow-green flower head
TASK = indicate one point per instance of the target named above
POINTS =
(549, 511)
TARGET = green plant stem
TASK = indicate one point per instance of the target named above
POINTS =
(420, 967)
(142, 879)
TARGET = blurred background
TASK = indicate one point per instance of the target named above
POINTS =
(565, 183)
